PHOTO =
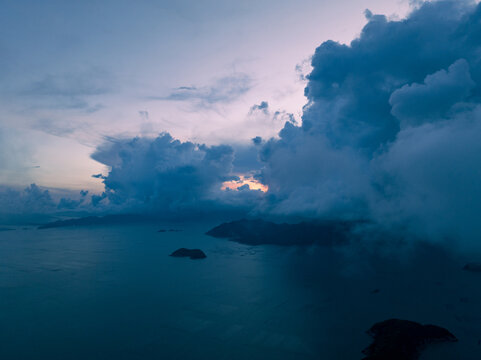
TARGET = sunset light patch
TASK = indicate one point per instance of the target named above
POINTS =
(244, 180)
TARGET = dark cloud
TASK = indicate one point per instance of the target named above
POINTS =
(223, 90)
(257, 140)
(30, 200)
(69, 203)
(167, 176)
(414, 104)
(391, 130)
(246, 158)
(262, 107)
(36, 204)
(30, 205)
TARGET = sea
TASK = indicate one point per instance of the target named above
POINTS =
(113, 292)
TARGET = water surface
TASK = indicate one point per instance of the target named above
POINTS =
(112, 292)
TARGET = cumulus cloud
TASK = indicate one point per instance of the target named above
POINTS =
(69, 203)
(166, 176)
(415, 104)
(391, 130)
(35, 203)
(30, 200)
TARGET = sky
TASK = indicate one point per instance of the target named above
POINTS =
(73, 74)
(362, 110)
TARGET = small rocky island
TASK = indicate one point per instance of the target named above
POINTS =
(259, 232)
(191, 253)
(473, 267)
(396, 339)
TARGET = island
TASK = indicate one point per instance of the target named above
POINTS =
(473, 267)
(259, 232)
(114, 219)
(396, 339)
(191, 253)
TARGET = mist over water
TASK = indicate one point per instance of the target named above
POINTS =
(113, 292)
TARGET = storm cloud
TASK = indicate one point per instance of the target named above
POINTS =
(391, 133)
(392, 127)
(169, 177)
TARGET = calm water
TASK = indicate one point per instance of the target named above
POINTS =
(114, 293)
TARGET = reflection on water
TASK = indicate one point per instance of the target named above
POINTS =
(114, 293)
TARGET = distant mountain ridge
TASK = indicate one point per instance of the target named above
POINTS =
(97, 220)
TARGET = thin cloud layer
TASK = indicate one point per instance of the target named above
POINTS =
(223, 90)
(391, 130)
(69, 91)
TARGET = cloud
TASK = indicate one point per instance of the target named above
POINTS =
(418, 103)
(54, 127)
(263, 107)
(166, 176)
(70, 91)
(93, 82)
(36, 204)
(30, 200)
(391, 130)
(431, 178)
(265, 120)
(223, 90)
(69, 203)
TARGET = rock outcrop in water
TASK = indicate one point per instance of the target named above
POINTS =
(396, 339)
(473, 267)
(258, 232)
(168, 230)
(191, 253)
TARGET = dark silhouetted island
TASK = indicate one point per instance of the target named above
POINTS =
(192, 253)
(98, 220)
(396, 339)
(473, 267)
(259, 232)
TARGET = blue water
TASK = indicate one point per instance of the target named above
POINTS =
(114, 293)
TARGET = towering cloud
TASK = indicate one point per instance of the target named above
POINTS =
(391, 130)
(168, 176)
(31, 200)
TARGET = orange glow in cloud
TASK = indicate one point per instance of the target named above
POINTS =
(244, 180)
